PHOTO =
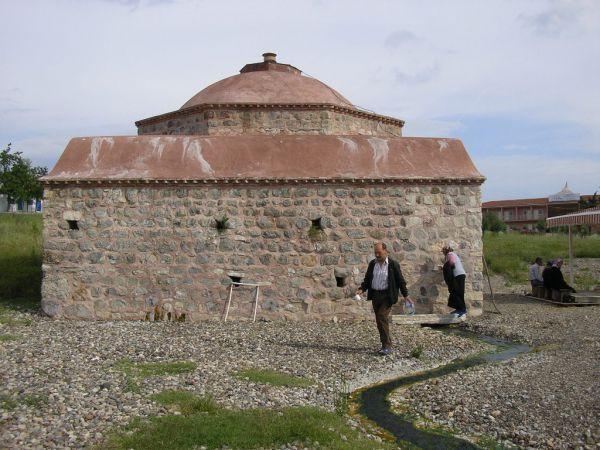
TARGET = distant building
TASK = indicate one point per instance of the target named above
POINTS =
(522, 214)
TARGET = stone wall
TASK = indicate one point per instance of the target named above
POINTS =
(140, 252)
(225, 122)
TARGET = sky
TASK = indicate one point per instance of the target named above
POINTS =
(517, 81)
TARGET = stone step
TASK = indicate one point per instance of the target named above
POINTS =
(426, 319)
(586, 297)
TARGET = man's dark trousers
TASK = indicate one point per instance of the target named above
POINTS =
(382, 309)
(456, 299)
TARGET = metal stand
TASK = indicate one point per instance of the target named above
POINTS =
(487, 273)
(256, 285)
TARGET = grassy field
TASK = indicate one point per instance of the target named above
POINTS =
(202, 422)
(510, 254)
(20, 257)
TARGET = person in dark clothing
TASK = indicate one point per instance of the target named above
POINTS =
(383, 282)
(553, 277)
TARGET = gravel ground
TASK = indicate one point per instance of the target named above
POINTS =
(548, 398)
(59, 387)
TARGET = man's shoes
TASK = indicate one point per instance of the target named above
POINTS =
(454, 312)
(459, 313)
(384, 351)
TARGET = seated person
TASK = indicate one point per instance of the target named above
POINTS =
(553, 277)
(546, 277)
(535, 273)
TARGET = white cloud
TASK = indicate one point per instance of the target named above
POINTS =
(399, 38)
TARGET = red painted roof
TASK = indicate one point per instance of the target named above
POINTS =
(263, 157)
(268, 87)
(515, 202)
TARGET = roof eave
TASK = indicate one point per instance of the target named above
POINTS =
(199, 108)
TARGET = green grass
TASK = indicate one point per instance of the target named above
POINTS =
(243, 429)
(510, 254)
(9, 337)
(131, 385)
(145, 370)
(8, 402)
(187, 402)
(416, 351)
(20, 256)
(7, 313)
(274, 378)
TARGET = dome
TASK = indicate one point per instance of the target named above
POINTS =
(268, 82)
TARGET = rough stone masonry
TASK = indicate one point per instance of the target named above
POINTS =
(155, 227)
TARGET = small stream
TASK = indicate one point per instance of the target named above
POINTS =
(374, 405)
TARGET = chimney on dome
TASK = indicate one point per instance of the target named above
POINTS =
(270, 63)
(270, 57)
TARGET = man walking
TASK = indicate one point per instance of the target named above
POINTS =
(383, 281)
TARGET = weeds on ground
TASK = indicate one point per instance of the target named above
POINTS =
(342, 397)
(9, 402)
(416, 351)
(131, 385)
(253, 428)
(9, 337)
(585, 280)
(8, 316)
(274, 378)
(187, 402)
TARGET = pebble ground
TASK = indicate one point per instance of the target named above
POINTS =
(548, 398)
(60, 388)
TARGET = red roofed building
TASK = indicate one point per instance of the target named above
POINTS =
(268, 176)
(523, 214)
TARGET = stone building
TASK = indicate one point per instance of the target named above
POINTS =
(268, 175)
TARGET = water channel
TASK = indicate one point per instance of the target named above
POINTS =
(374, 404)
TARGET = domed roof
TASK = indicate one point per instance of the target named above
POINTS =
(268, 82)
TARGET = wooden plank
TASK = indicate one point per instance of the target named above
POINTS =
(426, 319)
(587, 297)
(531, 297)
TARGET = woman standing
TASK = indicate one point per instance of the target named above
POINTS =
(454, 276)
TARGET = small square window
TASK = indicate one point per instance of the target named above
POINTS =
(73, 225)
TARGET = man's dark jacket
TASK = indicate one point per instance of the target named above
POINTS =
(554, 279)
(396, 282)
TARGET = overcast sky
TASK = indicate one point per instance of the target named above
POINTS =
(517, 81)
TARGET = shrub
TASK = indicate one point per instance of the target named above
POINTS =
(491, 222)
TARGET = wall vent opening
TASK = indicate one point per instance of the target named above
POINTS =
(317, 224)
(73, 224)
(235, 277)
(341, 281)
(222, 223)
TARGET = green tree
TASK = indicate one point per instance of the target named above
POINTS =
(491, 222)
(19, 180)
(540, 225)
